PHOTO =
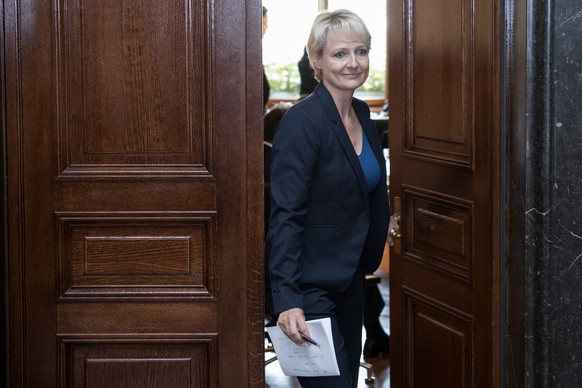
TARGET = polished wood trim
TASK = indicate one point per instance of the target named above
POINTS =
(513, 353)
(254, 201)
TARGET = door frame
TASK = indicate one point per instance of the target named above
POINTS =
(4, 338)
(513, 179)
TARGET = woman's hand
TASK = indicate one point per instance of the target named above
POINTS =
(393, 226)
(290, 321)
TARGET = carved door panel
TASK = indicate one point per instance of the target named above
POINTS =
(445, 152)
(134, 205)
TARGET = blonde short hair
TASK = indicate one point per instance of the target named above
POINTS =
(341, 19)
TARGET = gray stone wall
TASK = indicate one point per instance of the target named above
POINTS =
(554, 195)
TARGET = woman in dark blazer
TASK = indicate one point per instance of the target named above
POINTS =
(329, 203)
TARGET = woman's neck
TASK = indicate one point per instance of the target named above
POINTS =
(343, 102)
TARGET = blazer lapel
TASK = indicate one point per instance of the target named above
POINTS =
(342, 135)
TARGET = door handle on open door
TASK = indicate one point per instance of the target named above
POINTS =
(395, 233)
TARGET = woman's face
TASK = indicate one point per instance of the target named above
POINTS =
(344, 62)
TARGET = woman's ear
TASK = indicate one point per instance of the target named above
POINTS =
(316, 61)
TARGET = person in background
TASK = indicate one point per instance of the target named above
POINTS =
(308, 81)
(330, 213)
(266, 85)
(377, 342)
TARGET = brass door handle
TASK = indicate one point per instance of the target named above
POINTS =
(395, 234)
(396, 217)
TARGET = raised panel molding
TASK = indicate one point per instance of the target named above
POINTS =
(137, 362)
(132, 92)
(448, 248)
(433, 327)
(134, 255)
(439, 66)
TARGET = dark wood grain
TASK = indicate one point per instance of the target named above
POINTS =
(445, 132)
(134, 137)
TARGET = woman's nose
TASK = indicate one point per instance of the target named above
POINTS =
(352, 61)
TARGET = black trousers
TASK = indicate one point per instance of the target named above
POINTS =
(345, 311)
(373, 306)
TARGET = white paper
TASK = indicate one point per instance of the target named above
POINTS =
(306, 360)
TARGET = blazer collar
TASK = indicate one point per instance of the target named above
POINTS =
(328, 103)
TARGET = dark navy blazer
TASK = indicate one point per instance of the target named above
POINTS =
(323, 224)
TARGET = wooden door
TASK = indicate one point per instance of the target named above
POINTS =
(134, 205)
(445, 153)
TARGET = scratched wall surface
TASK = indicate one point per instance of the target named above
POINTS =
(554, 196)
(567, 226)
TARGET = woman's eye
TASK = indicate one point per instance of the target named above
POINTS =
(362, 52)
(340, 55)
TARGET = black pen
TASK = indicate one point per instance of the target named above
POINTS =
(307, 338)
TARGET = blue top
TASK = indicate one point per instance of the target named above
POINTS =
(369, 163)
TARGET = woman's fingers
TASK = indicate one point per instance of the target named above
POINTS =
(291, 320)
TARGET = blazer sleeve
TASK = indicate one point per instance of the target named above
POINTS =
(295, 156)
